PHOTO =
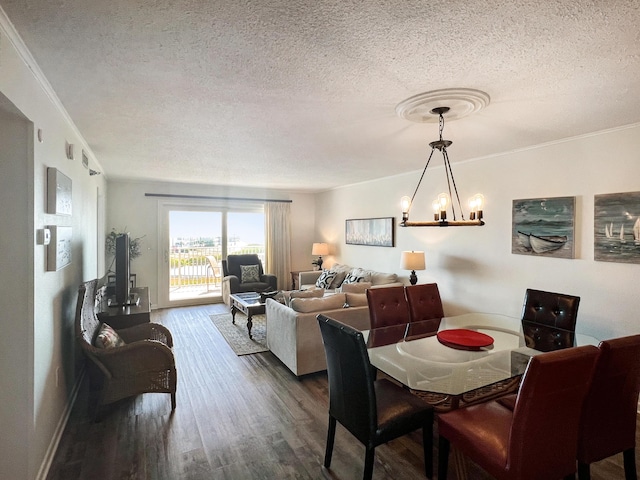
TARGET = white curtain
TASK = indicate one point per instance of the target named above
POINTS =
(278, 241)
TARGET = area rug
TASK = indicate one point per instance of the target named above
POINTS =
(237, 336)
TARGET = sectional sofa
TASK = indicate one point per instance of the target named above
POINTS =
(293, 334)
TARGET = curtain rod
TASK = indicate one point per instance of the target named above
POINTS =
(206, 197)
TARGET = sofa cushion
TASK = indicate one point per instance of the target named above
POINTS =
(360, 287)
(356, 300)
(325, 279)
(249, 273)
(379, 278)
(309, 293)
(108, 338)
(308, 305)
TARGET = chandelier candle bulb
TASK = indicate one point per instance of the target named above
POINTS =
(405, 205)
(479, 204)
(444, 200)
(472, 208)
(436, 210)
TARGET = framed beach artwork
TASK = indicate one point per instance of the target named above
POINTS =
(544, 227)
(58, 192)
(377, 232)
(59, 249)
(617, 227)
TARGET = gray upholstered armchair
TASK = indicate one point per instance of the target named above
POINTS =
(240, 275)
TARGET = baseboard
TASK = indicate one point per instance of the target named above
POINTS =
(57, 435)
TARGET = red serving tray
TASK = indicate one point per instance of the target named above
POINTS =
(464, 339)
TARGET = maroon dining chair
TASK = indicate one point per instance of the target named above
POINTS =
(539, 438)
(608, 424)
(425, 304)
(549, 320)
(387, 306)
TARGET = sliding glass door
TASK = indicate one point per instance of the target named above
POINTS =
(194, 239)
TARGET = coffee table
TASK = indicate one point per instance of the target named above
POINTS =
(248, 303)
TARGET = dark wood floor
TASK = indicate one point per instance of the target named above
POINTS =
(236, 418)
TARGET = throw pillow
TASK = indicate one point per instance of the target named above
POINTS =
(108, 338)
(325, 278)
(341, 272)
(249, 273)
(354, 276)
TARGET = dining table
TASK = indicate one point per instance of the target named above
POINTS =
(424, 361)
(471, 358)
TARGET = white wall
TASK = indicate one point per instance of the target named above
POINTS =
(15, 343)
(38, 307)
(128, 207)
(473, 266)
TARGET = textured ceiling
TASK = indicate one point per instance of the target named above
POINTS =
(301, 94)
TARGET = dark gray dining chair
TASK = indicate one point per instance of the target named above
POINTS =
(373, 411)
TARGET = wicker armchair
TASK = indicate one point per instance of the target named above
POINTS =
(144, 364)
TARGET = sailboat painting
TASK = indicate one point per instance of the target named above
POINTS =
(617, 227)
(544, 227)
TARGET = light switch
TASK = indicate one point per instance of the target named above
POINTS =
(43, 236)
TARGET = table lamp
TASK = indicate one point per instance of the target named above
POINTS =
(319, 249)
(412, 261)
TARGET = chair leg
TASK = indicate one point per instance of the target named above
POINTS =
(443, 458)
(427, 442)
(629, 457)
(584, 471)
(368, 464)
(173, 401)
(331, 433)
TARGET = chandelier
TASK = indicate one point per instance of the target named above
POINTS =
(450, 199)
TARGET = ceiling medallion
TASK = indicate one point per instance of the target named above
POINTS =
(460, 101)
(426, 107)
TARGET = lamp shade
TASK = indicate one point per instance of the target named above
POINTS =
(320, 249)
(412, 261)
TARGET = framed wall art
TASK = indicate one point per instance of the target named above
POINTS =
(377, 232)
(59, 249)
(544, 227)
(617, 227)
(58, 192)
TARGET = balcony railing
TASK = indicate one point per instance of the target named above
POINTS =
(202, 266)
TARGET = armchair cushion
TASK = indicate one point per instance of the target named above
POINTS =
(233, 281)
(108, 338)
(249, 273)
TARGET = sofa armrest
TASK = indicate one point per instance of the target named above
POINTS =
(281, 332)
(309, 277)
